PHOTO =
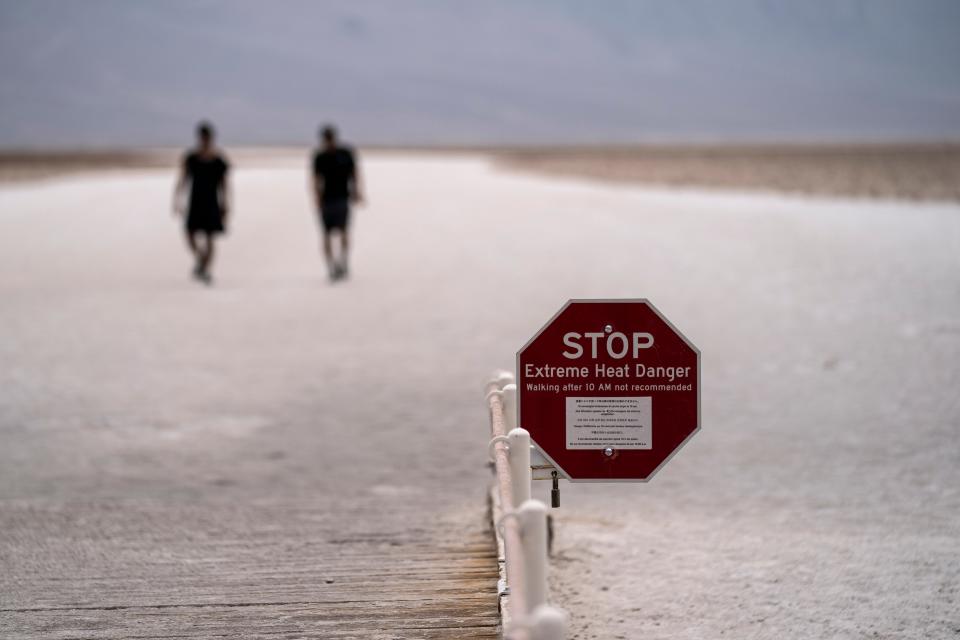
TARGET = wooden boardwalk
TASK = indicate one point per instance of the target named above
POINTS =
(143, 569)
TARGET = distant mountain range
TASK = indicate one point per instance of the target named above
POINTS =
(429, 72)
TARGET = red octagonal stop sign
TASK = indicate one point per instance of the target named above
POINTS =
(609, 390)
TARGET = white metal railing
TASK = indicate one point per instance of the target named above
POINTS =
(522, 525)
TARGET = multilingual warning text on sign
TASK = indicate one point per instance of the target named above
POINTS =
(599, 422)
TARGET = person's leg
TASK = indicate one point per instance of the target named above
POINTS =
(207, 259)
(328, 251)
(194, 251)
(344, 247)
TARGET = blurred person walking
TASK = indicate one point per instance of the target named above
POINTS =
(336, 184)
(206, 210)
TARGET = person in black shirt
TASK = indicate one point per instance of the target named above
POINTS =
(206, 210)
(336, 183)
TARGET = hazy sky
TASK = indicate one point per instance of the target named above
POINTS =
(138, 72)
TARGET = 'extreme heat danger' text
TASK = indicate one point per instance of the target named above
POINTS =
(637, 370)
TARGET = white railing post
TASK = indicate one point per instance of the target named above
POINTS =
(510, 405)
(533, 531)
(518, 458)
(503, 378)
(521, 476)
(548, 623)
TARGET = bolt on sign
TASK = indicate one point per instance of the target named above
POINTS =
(609, 390)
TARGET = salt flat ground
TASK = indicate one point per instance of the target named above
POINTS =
(181, 454)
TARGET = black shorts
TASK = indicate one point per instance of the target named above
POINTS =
(204, 219)
(335, 214)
